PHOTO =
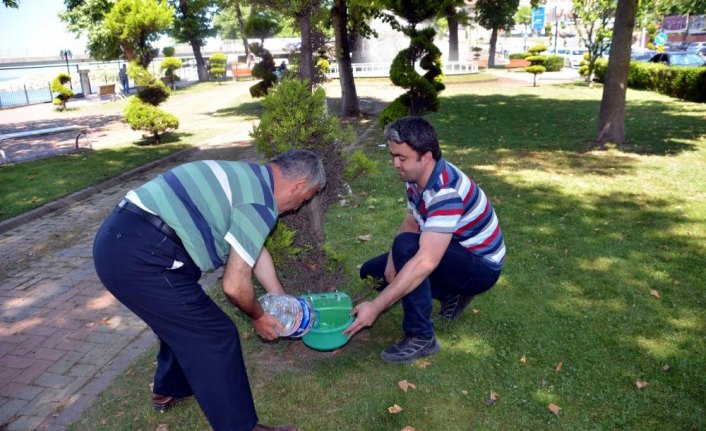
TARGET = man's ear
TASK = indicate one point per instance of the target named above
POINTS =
(299, 186)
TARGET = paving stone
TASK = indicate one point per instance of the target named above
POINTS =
(21, 391)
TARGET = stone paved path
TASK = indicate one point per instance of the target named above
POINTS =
(63, 337)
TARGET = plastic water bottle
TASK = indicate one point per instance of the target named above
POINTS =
(295, 313)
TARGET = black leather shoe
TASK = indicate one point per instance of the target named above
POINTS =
(162, 403)
(259, 427)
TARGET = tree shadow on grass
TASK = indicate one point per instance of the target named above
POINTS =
(249, 110)
(652, 127)
(166, 138)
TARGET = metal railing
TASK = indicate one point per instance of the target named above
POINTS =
(380, 70)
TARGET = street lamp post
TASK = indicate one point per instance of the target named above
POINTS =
(65, 54)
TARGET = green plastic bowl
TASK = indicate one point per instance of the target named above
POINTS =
(332, 314)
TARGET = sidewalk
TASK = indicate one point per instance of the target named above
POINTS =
(63, 337)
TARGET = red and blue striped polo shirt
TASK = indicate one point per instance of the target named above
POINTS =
(453, 203)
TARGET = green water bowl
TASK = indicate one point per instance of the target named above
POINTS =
(332, 314)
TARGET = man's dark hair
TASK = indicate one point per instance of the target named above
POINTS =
(296, 164)
(415, 132)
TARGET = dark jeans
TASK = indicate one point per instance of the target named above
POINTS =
(199, 350)
(458, 272)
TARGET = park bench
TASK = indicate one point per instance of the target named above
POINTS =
(517, 63)
(82, 130)
(241, 72)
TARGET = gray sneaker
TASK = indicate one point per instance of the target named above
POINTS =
(452, 308)
(409, 349)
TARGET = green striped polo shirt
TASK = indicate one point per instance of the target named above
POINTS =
(214, 206)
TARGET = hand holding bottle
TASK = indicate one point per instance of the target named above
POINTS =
(267, 326)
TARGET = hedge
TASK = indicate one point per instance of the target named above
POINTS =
(686, 83)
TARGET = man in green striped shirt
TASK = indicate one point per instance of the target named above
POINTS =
(150, 254)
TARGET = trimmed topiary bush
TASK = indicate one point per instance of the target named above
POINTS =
(143, 116)
(217, 65)
(169, 65)
(61, 93)
(141, 111)
(519, 55)
(263, 70)
(423, 90)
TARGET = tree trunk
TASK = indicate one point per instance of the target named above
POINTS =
(306, 61)
(241, 28)
(200, 63)
(612, 115)
(453, 33)
(491, 50)
(356, 43)
(349, 96)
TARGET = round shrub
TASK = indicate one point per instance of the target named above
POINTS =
(170, 65)
(143, 116)
(554, 63)
(61, 93)
(217, 65)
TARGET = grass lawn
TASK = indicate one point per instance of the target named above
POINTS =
(603, 289)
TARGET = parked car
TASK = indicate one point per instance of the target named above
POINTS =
(697, 48)
(678, 59)
(642, 55)
(676, 46)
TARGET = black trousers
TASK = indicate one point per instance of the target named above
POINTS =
(199, 351)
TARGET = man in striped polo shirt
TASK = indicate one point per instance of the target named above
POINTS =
(449, 246)
(150, 253)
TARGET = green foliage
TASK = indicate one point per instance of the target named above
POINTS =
(263, 70)
(295, 118)
(217, 64)
(519, 55)
(169, 65)
(280, 244)
(357, 164)
(262, 25)
(496, 14)
(192, 21)
(151, 90)
(168, 51)
(536, 69)
(687, 83)
(86, 18)
(414, 11)
(423, 91)
(135, 24)
(536, 49)
(144, 116)
(61, 93)
(394, 111)
(554, 63)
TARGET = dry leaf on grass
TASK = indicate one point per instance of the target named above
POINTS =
(665, 367)
(405, 385)
(641, 384)
(559, 366)
(554, 408)
(475, 310)
(523, 359)
(400, 200)
(364, 238)
(394, 409)
(408, 428)
(654, 293)
(494, 395)
(163, 427)
(422, 364)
